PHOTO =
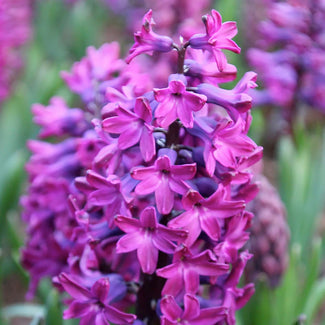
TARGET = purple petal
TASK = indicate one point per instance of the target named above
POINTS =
(191, 307)
(164, 197)
(148, 218)
(116, 124)
(130, 137)
(118, 317)
(77, 309)
(101, 319)
(192, 280)
(147, 256)
(210, 225)
(147, 144)
(143, 110)
(183, 172)
(73, 288)
(220, 58)
(100, 289)
(102, 197)
(129, 242)
(163, 244)
(127, 224)
(142, 173)
(170, 308)
(149, 185)
(210, 316)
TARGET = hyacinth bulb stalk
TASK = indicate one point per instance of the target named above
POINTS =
(137, 210)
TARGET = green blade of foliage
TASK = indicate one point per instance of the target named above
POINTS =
(314, 301)
(23, 310)
(286, 298)
(53, 314)
(312, 271)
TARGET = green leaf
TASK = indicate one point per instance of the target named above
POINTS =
(312, 270)
(53, 309)
(314, 301)
(23, 310)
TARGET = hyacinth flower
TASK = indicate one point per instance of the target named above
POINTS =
(218, 36)
(175, 102)
(147, 41)
(93, 305)
(142, 195)
(288, 55)
(147, 237)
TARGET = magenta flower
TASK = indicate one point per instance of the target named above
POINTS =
(133, 127)
(218, 36)
(184, 272)
(203, 214)
(109, 193)
(165, 179)
(147, 41)
(192, 314)
(235, 237)
(236, 100)
(226, 144)
(143, 178)
(57, 118)
(98, 66)
(92, 306)
(147, 236)
(175, 102)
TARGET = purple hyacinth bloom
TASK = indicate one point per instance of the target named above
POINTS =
(184, 272)
(175, 102)
(203, 214)
(218, 36)
(146, 41)
(99, 66)
(225, 144)
(133, 127)
(93, 305)
(165, 179)
(58, 119)
(192, 314)
(147, 236)
(234, 100)
(140, 203)
(15, 32)
(235, 237)
(109, 193)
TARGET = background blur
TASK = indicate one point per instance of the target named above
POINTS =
(57, 34)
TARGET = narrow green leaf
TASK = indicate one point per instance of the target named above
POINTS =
(312, 270)
(53, 309)
(23, 310)
(315, 298)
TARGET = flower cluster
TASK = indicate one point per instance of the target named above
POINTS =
(289, 55)
(15, 31)
(270, 235)
(139, 199)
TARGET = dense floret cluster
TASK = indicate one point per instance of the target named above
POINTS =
(289, 55)
(15, 31)
(269, 235)
(139, 199)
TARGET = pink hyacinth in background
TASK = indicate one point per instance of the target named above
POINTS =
(137, 206)
(15, 31)
(288, 54)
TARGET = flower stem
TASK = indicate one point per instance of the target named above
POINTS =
(149, 294)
